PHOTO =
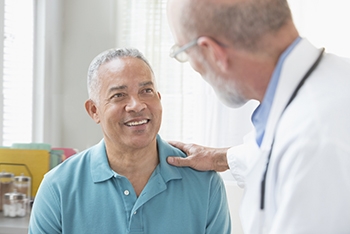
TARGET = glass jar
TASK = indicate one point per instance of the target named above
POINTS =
(14, 205)
(6, 185)
(23, 185)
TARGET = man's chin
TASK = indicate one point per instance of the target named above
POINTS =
(225, 92)
(233, 101)
(141, 141)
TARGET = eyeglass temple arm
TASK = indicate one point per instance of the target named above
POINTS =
(185, 47)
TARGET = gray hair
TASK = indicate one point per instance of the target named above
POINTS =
(93, 83)
(242, 23)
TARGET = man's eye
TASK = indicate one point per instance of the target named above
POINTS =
(148, 90)
(118, 95)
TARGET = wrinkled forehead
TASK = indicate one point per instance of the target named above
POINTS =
(126, 66)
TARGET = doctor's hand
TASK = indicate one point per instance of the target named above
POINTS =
(199, 157)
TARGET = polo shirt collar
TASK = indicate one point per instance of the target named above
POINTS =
(165, 150)
(101, 171)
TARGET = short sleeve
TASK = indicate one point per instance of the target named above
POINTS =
(219, 220)
(46, 215)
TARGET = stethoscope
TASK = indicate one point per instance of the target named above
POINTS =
(301, 83)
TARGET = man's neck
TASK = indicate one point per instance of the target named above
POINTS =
(136, 165)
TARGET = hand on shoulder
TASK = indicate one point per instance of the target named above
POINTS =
(199, 157)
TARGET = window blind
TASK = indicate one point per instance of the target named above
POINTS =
(17, 71)
(144, 26)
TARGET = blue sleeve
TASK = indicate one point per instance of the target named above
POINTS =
(219, 220)
(46, 215)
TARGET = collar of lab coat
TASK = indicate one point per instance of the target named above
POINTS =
(294, 68)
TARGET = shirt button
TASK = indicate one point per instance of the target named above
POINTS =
(126, 192)
(135, 212)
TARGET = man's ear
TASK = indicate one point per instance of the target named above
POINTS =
(92, 110)
(217, 52)
(160, 97)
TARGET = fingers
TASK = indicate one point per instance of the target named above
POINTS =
(178, 161)
(177, 144)
(181, 146)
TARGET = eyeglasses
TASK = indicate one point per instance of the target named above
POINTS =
(179, 53)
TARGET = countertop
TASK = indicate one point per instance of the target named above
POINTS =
(16, 225)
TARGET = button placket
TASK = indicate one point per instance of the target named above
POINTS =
(127, 194)
(136, 221)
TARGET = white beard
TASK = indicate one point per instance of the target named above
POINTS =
(230, 96)
(228, 93)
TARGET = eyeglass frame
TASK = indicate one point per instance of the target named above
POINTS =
(189, 45)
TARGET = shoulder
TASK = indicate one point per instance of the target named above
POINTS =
(318, 108)
(318, 116)
(189, 175)
(68, 168)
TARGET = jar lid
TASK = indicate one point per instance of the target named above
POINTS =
(22, 178)
(14, 196)
(6, 175)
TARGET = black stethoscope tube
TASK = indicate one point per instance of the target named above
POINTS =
(301, 83)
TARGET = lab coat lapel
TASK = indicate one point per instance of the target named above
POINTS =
(294, 68)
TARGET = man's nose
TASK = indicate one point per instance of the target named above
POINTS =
(135, 105)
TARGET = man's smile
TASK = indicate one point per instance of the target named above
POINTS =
(137, 123)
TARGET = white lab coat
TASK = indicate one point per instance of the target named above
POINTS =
(308, 180)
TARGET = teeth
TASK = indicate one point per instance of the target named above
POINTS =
(137, 123)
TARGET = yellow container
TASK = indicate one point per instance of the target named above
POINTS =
(32, 163)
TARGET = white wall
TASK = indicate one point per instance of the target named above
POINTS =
(88, 29)
(47, 72)
(69, 35)
(234, 196)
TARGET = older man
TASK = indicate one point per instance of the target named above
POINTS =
(123, 184)
(295, 165)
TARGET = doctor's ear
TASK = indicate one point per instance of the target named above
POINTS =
(216, 51)
(92, 110)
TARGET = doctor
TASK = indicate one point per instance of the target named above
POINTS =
(295, 166)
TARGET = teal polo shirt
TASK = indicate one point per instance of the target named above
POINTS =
(84, 195)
